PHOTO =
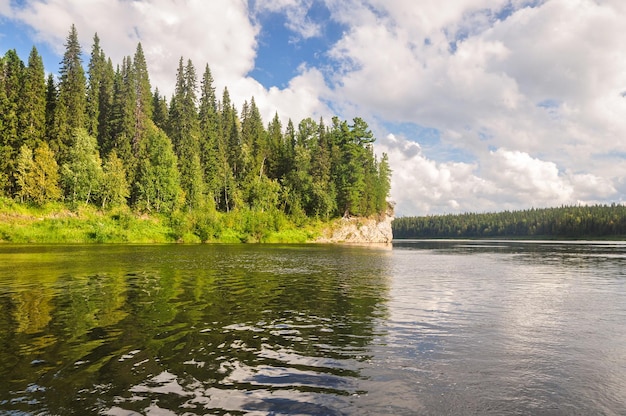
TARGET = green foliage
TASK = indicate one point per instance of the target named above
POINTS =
(598, 221)
(158, 185)
(39, 179)
(81, 175)
(32, 105)
(214, 174)
(70, 110)
(114, 187)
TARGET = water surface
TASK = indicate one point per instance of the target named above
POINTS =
(428, 328)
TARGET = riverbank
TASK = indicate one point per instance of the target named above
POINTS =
(57, 223)
(60, 223)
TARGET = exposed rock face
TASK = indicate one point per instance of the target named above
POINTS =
(357, 230)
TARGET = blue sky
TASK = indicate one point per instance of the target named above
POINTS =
(483, 105)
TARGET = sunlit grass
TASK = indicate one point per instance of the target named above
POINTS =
(84, 223)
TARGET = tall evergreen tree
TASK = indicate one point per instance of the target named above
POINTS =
(96, 72)
(32, 106)
(159, 110)
(123, 118)
(254, 140)
(106, 97)
(143, 93)
(209, 130)
(185, 133)
(70, 110)
(275, 139)
(52, 96)
(11, 79)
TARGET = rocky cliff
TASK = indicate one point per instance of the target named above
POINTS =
(357, 230)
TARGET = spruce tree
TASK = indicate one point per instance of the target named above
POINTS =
(71, 107)
(123, 118)
(96, 70)
(106, 108)
(143, 96)
(12, 76)
(52, 96)
(275, 140)
(209, 130)
(32, 105)
(159, 110)
(184, 130)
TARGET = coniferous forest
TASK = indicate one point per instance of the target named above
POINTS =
(599, 221)
(101, 135)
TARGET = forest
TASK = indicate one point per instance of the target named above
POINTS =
(597, 221)
(102, 135)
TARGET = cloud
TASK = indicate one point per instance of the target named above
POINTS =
(501, 179)
(541, 79)
(296, 12)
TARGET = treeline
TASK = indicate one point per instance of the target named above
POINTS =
(104, 136)
(564, 222)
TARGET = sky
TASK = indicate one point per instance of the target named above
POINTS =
(481, 105)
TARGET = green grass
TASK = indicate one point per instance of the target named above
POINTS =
(61, 223)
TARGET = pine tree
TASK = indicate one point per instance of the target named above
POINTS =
(52, 96)
(122, 118)
(96, 71)
(209, 129)
(143, 95)
(383, 184)
(106, 108)
(159, 110)
(185, 133)
(32, 105)
(70, 110)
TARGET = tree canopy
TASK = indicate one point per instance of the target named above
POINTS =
(564, 222)
(102, 135)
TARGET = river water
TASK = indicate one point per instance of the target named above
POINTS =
(425, 328)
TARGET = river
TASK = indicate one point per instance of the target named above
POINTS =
(423, 328)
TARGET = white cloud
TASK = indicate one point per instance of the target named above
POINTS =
(296, 12)
(546, 80)
(499, 180)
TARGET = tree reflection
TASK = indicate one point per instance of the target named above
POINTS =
(205, 318)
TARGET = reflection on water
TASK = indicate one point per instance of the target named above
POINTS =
(430, 328)
(186, 329)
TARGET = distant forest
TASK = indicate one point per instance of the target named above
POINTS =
(102, 135)
(598, 221)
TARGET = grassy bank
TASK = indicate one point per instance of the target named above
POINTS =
(60, 223)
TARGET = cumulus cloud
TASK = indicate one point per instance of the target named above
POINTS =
(296, 12)
(531, 89)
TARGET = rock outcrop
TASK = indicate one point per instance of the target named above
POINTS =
(358, 230)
